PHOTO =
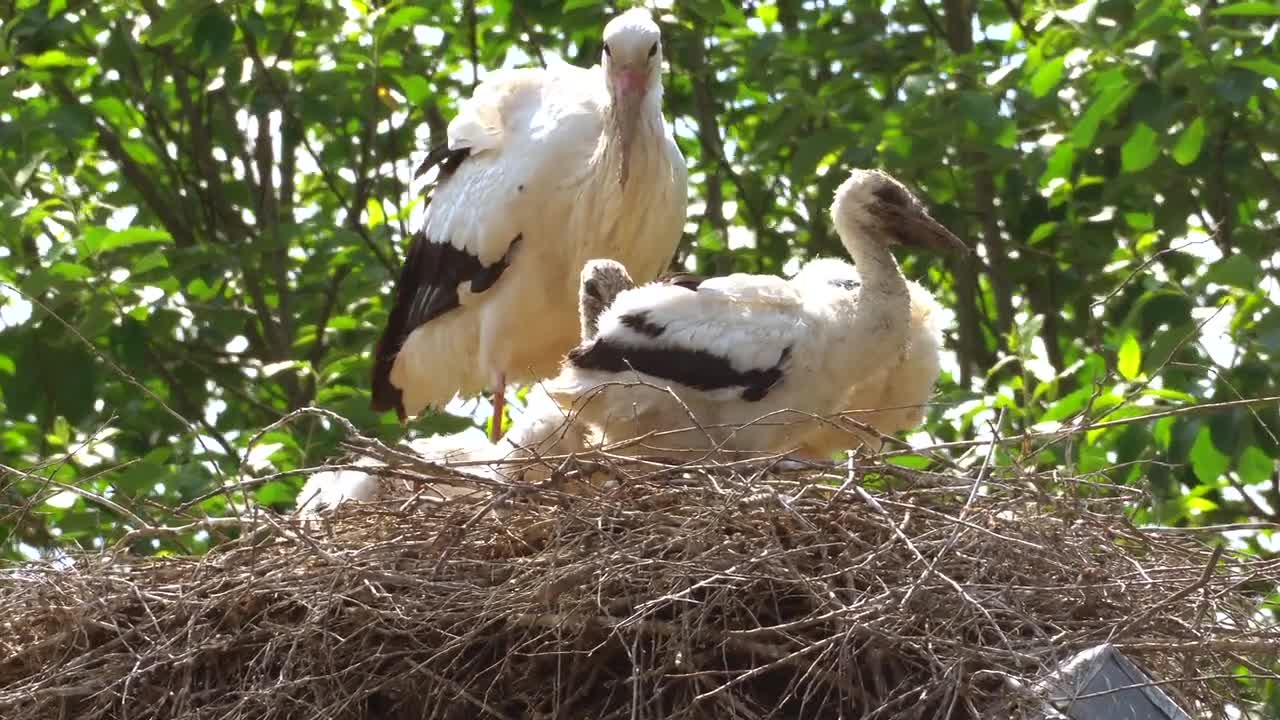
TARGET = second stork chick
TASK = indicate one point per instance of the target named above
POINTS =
(745, 362)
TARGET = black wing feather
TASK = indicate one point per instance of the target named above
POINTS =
(427, 288)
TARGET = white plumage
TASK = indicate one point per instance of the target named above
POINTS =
(760, 351)
(896, 399)
(689, 363)
(543, 170)
(543, 430)
(326, 490)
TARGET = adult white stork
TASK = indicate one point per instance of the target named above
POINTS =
(730, 351)
(543, 170)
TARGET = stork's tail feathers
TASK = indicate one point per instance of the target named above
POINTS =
(875, 204)
(602, 281)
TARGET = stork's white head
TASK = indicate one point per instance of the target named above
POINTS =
(632, 56)
(632, 61)
(874, 205)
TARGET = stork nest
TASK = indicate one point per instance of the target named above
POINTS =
(694, 592)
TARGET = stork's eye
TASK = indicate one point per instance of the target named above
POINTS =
(653, 50)
(607, 51)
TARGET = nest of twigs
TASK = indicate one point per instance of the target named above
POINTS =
(699, 592)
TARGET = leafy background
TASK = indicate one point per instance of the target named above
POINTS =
(203, 204)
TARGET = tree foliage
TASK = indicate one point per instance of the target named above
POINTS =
(205, 203)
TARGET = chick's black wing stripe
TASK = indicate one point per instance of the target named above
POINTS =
(697, 369)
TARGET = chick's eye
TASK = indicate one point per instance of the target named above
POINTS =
(607, 51)
(653, 50)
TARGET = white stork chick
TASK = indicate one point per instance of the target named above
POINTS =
(896, 399)
(543, 170)
(729, 351)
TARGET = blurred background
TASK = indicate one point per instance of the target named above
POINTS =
(203, 206)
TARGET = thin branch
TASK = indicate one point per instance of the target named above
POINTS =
(118, 370)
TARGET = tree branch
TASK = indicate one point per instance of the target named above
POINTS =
(159, 203)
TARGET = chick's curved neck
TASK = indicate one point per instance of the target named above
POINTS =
(881, 311)
(877, 266)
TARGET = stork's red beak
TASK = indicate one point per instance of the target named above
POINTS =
(630, 83)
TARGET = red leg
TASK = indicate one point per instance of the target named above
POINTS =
(499, 405)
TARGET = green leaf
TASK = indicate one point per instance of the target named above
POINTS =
(1239, 271)
(376, 216)
(404, 17)
(1116, 92)
(1042, 232)
(150, 261)
(1255, 467)
(1265, 68)
(71, 271)
(1140, 150)
(1129, 359)
(1250, 9)
(811, 150)
(1187, 148)
(1140, 221)
(1199, 504)
(99, 239)
(213, 33)
(708, 10)
(1047, 77)
(571, 5)
(1207, 462)
(7, 366)
(768, 14)
(414, 87)
(1060, 163)
(52, 59)
(170, 24)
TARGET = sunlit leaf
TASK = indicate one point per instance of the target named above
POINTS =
(376, 216)
(1255, 466)
(71, 271)
(1256, 8)
(52, 59)
(415, 88)
(404, 17)
(1187, 149)
(1207, 462)
(1116, 93)
(1129, 358)
(97, 240)
(1047, 76)
(1141, 149)
(1265, 68)
(1199, 505)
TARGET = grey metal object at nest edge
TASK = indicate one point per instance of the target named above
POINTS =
(1102, 684)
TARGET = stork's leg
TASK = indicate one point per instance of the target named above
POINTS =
(499, 404)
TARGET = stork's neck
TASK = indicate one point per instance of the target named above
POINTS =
(878, 330)
(630, 136)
